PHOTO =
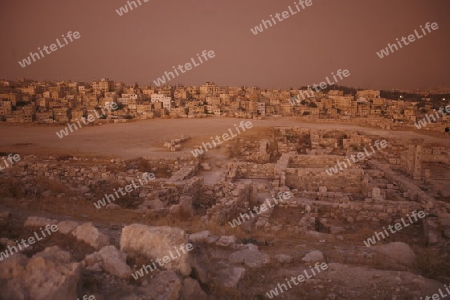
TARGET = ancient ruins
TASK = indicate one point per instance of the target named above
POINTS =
(193, 201)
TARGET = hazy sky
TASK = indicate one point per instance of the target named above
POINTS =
(303, 49)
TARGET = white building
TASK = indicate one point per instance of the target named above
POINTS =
(166, 101)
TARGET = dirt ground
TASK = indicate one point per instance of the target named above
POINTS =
(145, 138)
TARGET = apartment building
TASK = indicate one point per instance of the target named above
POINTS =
(261, 108)
(5, 107)
(29, 112)
(336, 93)
(61, 114)
(17, 116)
(103, 86)
(166, 101)
(209, 88)
(13, 97)
(286, 109)
(369, 94)
(45, 116)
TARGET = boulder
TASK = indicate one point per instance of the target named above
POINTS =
(112, 206)
(199, 237)
(323, 189)
(175, 210)
(155, 204)
(66, 227)
(49, 274)
(283, 258)
(226, 241)
(38, 222)
(313, 257)
(158, 242)
(251, 246)
(229, 276)
(212, 239)
(205, 166)
(399, 251)
(93, 262)
(90, 235)
(251, 258)
(114, 262)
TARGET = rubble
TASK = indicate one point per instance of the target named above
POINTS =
(326, 219)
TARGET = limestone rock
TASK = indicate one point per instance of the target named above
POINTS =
(313, 257)
(90, 235)
(212, 239)
(399, 251)
(154, 204)
(175, 209)
(251, 246)
(251, 258)
(283, 258)
(66, 227)
(112, 206)
(226, 241)
(49, 274)
(114, 262)
(157, 242)
(38, 222)
(229, 276)
(206, 166)
(199, 237)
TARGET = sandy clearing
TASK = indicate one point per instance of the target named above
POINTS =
(145, 138)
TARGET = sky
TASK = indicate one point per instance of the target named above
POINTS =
(303, 49)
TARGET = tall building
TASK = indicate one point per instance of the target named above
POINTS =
(166, 101)
(103, 86)
(209, 89)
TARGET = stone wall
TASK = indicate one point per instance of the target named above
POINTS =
(313, 161)
(309, 179)
(253, 170)
(86, 176)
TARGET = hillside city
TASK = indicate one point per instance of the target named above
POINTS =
(222, 192)
(28, 101)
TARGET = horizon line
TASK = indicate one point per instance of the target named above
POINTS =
(239, 85)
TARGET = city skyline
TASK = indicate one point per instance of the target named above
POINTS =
(418, 90)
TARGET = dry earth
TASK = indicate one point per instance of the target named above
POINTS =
(145, 138)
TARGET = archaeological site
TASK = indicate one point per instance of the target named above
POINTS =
(250, 219)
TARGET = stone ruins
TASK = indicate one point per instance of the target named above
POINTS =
(326, 219)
